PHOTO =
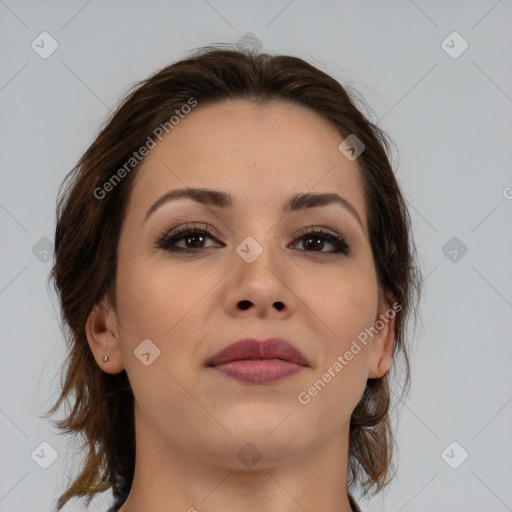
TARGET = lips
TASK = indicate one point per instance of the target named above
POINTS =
(259, 361)
(253, 348)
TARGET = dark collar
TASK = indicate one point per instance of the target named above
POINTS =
(353, 504)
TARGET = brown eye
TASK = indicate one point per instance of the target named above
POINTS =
(193, 238)
(315, 239)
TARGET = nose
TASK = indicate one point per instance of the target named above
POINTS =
(260, 287)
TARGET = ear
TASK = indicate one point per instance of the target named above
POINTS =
(381, 350)
(102, 334)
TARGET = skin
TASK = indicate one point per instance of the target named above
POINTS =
(191, 420)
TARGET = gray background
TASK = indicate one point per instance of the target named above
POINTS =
(450, 119)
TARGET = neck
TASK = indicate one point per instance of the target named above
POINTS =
(169, 478)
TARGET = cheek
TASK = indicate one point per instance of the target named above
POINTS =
(346, 303)
(153, 304)
(346, 309)
(165, 303)
(153, 297)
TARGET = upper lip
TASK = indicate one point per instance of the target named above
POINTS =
(258, 348)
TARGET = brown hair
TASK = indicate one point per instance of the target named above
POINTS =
(87, 234)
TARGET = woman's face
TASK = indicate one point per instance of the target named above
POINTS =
(258, 275)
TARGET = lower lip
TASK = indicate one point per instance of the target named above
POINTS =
(259, 371)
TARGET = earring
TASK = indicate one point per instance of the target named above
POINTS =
(105, 358)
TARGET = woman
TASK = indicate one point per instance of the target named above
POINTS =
(234, 261)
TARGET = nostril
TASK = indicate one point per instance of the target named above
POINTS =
(244, 304)
(279, 306)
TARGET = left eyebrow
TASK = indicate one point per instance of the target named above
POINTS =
(219, 199)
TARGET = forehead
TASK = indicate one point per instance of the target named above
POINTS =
(259, 154)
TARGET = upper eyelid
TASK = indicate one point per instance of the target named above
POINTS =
(203, 226)
(180, 231)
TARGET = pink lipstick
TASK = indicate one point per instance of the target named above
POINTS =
(259, 361)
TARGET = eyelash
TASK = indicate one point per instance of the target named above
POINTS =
(166, 240)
